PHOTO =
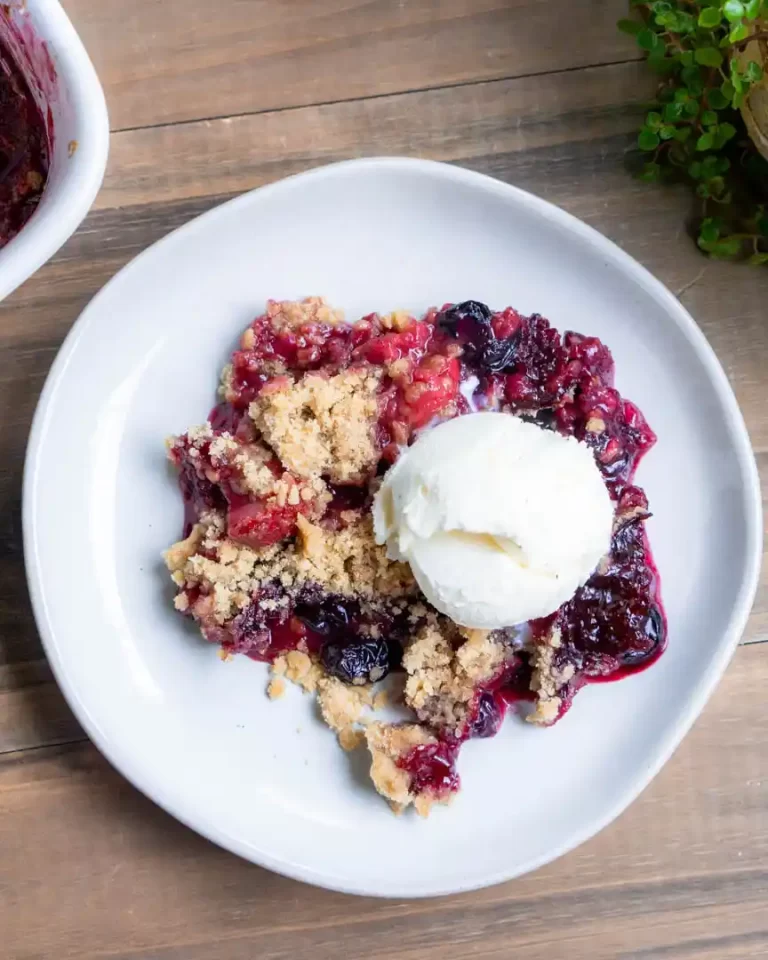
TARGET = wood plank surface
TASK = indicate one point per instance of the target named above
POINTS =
(211, 100)
(90, 869)
(164, 61)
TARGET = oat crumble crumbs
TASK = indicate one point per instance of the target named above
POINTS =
(445, 664)
(547, 679)
(387, 743)
(322, 425)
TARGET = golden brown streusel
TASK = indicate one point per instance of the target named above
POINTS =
(300, 669)
(445, 665)
(293, 314)
(346, 561)
(351, 738)
(322, 425)
(342, 705)
(350, 562)
(387, 743)
(547, 679)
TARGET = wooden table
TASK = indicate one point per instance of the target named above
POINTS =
(210, 99)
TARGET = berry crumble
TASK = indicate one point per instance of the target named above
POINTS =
(279, 560)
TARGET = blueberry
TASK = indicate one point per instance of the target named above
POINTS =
(465, 319)
(357, 661)
(329, 616)
(654, 628)
(544, 418)
(650, 637)
(470, 321)
(488, 717)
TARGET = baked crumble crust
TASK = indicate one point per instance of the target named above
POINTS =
(342, 705)
(547, 678)
(322, 426)
(446, 665)
(345, 561)
(294, 314)
(388, 743)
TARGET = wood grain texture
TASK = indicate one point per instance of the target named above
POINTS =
(214, 99)
(169, 62)
(90, 869)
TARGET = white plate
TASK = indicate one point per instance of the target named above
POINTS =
(267, 780)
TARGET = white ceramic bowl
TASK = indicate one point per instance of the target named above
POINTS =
(268, 780)
(46, 47)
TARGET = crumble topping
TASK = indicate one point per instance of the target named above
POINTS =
(446, 664)
(322, 425)
(294, 314)
(346, 561)
(342, 705)
(547, 679)
(249, 468)
(300, 669)
(350, 562)
(388, 743)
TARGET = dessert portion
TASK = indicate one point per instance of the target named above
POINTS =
(447, 501)
(23, 150)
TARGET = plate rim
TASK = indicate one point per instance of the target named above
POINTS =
(698, 696)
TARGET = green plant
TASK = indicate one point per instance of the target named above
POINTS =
(694, 131)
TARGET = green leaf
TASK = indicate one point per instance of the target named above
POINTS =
(647, 140)
(651, 173)
(753, 72)
(691, 108)
(682, 134)
(709, 17)
(758, 258)
(694, 170)
(738, 99)
(705, 142)
(709, 231)
(716, 186)
(648, 40)
(692, 77)
(733, 9)
(736, 78)
(632, 27)
(726, 248)
(703, 191)
(686, 58)
(653, 120)
(677, 155)
(752, 8)
(739, 33)
(708, 56)
(727, 89)
(673, 112)
(708, 118)
(667, 131)
(725, 132)
(716, 99)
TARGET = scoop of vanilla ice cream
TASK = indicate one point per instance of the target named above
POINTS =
(500, 520)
